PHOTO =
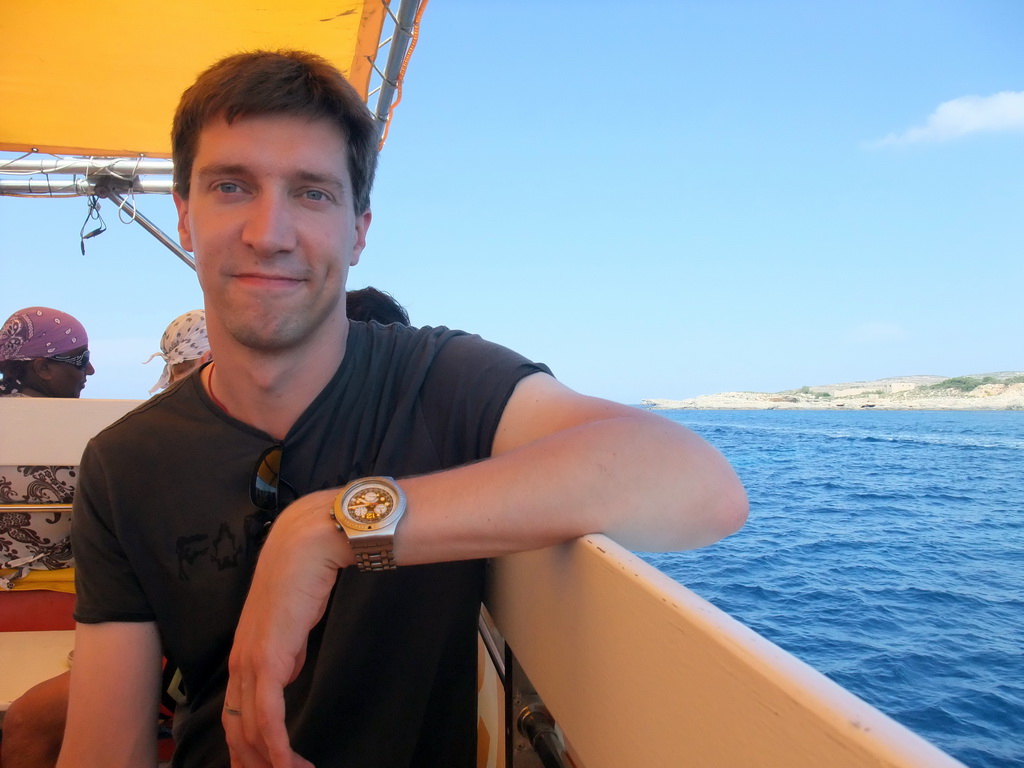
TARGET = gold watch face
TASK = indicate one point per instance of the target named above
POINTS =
(372, 504)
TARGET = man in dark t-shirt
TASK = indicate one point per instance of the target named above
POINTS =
(301, 526)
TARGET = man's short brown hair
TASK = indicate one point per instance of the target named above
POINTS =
(276, 83)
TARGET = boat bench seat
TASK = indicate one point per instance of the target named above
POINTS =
(41, 444)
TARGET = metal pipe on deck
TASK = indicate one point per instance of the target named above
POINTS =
(536, 725)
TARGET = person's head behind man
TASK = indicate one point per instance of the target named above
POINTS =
(294, 83)
(372, 304)
(183, 348)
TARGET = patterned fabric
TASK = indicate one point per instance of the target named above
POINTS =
(40, 332)
(35, 540)
(184, 340)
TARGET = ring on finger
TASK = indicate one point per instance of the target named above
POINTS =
(232, 711)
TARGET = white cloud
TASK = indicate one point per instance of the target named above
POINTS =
(876, 333)
(1003, 111)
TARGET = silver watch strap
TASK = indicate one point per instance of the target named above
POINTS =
(374, 553)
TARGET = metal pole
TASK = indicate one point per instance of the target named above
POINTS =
(82, 186)
(119, 166)
(396, 54)
(147, 225)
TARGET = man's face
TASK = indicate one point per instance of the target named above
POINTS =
(270, 220)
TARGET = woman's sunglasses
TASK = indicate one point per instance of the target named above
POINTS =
(79, 361)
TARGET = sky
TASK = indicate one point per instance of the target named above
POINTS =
(657, 199)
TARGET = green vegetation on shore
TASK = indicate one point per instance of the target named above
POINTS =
(971, 383)
(982, 391)
(805, 390)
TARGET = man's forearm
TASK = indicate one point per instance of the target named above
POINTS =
(564, 466)
(645, 482)
(114, 697)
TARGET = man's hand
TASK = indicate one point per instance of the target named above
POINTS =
(296, 571)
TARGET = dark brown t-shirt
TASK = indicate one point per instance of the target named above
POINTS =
(164, 531)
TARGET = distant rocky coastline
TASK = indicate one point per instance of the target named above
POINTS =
(1003, 391)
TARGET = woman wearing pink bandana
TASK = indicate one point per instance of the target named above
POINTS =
(43, 353)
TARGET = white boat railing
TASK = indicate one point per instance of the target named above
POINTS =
(638, 671)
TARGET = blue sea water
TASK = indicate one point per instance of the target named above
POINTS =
(885, 549)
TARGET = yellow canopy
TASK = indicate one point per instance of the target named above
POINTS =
(103, 78)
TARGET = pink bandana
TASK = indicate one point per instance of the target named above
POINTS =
(40, 332)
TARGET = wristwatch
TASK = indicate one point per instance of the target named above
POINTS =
(367, 511)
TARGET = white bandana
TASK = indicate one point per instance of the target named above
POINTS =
(184, 340)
